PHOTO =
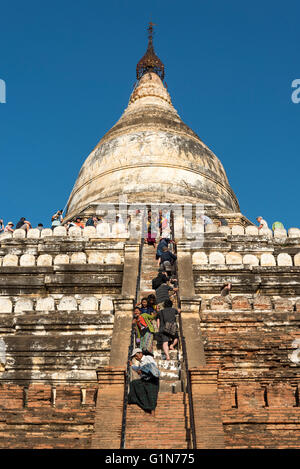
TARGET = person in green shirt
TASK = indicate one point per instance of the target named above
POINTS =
(277, 225)
(144, 328)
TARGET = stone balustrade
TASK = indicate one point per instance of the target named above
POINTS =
(237, 230)
(259, 303)
(31, 260)
(88, 232)
(265, 259)
(105, 231)
(56, 303)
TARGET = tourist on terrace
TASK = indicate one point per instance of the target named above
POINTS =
(1, 226)
(23, 224)
(144, 391)
(79, 223)
(222, 222)
(57, 219)
(9, 227)
(92, 221)
(40, 226)
(262, 223)
(168, 333)
(277, 225)
(151, 230)
(206, 221)
(143, 326)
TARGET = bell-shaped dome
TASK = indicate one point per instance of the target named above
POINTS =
(150, 156)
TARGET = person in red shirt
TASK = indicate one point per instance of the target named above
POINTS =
(79, 223)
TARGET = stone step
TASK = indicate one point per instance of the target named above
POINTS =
(166, 386)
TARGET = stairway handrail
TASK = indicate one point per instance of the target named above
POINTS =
(130, 348)
(183, 343)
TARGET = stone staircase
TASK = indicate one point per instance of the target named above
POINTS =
(169, 428)
(149, 270)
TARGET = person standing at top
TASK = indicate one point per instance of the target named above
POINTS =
(1, 226)
(262, 223)
(57, 219)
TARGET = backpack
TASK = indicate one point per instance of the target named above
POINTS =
(156, 282)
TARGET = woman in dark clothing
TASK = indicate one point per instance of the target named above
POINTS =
(144, 391)
(167, 314)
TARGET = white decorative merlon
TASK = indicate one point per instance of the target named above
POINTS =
(10, 260)
(96, 257)
(280, 233)
(19, 234)
(237, 230)
(113, 258)
(297, 259)
(46, 232)
(67, 303)
(45, 304)
(216, 258)
(267, 260)
(250, 259)
(89, 232)
(44, 260)
(75, 232)
(89, 303)
(5, 305)
(27, 260)
(61, 259)
(78, 258)
(294, 233)
(284, 259)
(251, 230)
(6, 235)
(106, 304)
(224, 229)
(23, 304)
(200, 258)
(59, 231)
(233, 258)
(33, 233)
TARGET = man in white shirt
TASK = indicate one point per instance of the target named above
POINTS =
(262, 223)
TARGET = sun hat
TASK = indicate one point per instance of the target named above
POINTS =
(135, 351)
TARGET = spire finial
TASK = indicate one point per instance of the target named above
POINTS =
(150, 62)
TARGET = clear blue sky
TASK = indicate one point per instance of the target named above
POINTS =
(69, 68)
